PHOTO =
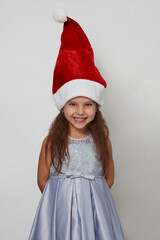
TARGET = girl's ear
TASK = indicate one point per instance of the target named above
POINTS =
(62, 111)
(97, 106)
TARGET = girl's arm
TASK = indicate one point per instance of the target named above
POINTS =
(109, 175)
(43, 167)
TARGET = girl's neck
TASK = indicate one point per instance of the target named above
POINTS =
(78, 135)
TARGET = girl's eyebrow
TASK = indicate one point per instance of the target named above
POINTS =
(90, 101)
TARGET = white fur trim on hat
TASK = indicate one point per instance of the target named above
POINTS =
(79, 87)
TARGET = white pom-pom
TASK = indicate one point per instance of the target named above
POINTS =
(59, 15)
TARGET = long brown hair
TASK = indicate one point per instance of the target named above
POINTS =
(58, 139)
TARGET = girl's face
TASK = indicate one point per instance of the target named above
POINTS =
(79, 111)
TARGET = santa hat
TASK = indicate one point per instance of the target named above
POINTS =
(75, 73)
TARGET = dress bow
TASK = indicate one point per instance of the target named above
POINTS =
(74, 174)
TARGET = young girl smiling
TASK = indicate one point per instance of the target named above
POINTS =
(76, 169)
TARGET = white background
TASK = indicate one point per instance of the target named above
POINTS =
(126, 41)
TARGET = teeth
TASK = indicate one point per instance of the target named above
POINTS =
(80, 118)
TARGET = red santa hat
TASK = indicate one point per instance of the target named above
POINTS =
(75, 73)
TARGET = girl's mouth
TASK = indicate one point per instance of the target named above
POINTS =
(79, 120)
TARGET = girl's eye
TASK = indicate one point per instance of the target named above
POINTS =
(72, 104)
(88, 104)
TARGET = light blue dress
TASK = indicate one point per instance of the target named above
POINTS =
(77, 205)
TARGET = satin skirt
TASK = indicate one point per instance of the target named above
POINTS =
(76, 207)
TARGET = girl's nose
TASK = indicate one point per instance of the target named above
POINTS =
(80, 110)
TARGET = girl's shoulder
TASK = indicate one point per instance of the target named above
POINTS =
(43, 152)
(46, 141)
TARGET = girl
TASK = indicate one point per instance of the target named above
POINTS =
(76, 169)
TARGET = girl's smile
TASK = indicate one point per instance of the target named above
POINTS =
(79, 120)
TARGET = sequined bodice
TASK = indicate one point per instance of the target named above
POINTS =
(83, 156)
